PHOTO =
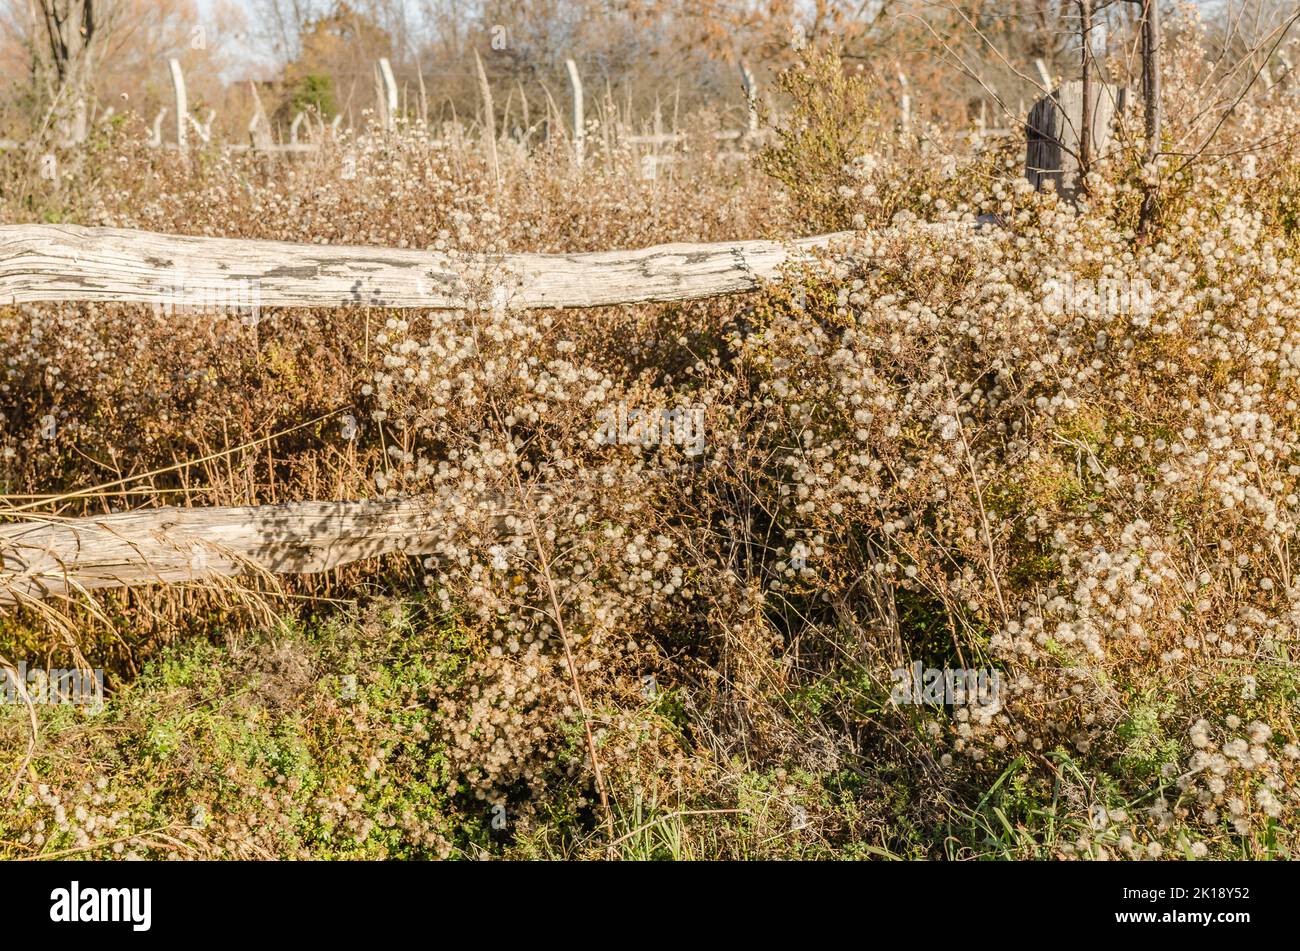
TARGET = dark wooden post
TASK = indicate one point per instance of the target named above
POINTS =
(1054, 132)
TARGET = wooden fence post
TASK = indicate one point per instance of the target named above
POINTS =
(489, 117)
(579, 120)
(904, 105)
(155, 140)
(1052, 132)
(259, 127)
(1044, 76)
(80, 121)
(182, 106)
(388, 93)
(751, 97)
(424, 100)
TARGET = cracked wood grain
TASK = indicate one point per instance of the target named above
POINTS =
(72, 263)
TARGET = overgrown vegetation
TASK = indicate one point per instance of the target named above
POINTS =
(915, 450)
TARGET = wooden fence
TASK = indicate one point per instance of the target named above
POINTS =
(48, 556)
(185, 125)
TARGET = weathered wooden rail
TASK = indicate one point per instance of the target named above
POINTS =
(56, 557)
(70, 263)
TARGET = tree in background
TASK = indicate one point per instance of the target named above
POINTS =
(636, 57)
(334, 71)
(66, 40)
(109, 52)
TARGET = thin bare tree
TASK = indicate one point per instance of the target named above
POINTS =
(1151, 111)
(71, 30)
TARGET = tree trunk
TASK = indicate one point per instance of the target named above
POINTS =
(71, 27)
(1152, 115)
(1085, 130)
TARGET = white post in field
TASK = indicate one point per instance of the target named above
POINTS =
(1043, 75)
(259, 127)
(579, 120)
(155, 141)
(489, 117)
(182, 107)
(80, 121)
(751, 96)
(388, 100)
(904, 104)
(424, 101)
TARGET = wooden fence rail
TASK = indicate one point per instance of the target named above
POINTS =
(50, 558)
(70, 263)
